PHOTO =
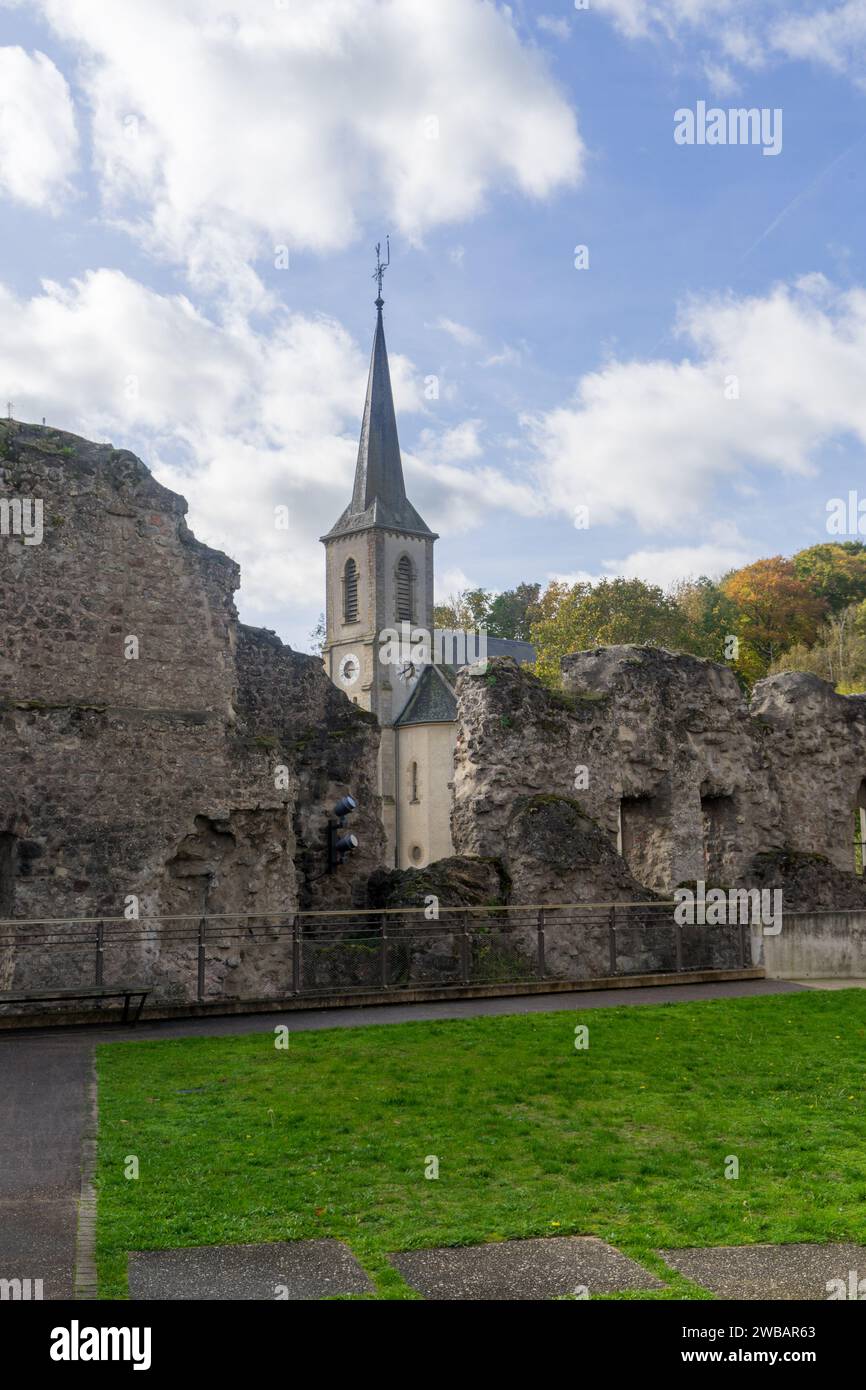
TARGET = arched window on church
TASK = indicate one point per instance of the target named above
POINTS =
(404, 589)
(350, 592)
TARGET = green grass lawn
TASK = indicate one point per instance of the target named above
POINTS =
(238, 1141)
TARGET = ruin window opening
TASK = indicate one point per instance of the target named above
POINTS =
(350, 592)
(644, 839)
(860, 828)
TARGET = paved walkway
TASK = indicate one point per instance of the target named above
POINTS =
(45, 1078)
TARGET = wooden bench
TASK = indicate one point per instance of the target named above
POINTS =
(125, 992)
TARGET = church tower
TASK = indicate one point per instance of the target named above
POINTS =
(379, 567)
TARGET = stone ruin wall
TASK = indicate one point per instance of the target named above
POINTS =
(155, 777)
(650, 770)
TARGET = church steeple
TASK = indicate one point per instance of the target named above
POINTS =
(379, 577)
(379, 494)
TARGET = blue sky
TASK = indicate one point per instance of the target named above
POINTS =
(154, 157)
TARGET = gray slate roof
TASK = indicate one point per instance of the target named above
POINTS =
(379, 495)
(432, 701)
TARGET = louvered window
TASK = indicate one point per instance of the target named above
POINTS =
(404, 590)
(350, 592)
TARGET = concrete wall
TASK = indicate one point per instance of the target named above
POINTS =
(818, 945)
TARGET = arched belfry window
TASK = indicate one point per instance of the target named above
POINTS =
(350, 592)
(404, 589)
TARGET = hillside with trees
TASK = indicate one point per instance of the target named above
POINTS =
(806, 613)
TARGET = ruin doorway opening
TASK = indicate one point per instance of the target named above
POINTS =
(7, 873)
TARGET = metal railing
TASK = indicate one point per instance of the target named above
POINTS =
(196, 959)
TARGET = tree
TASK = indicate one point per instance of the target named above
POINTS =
(512, 612)
(317, 636)
(571, 618)
(463, 611)
(710, 616)
(838, 655)
(835, 572)
(775, 610)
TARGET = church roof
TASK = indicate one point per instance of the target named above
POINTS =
(522, 652)
(432, 701)
(379, 495)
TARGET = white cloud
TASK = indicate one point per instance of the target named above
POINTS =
(223, 130)
(451, 582)
(38, 138)
(834, 36)
(556, 27)
(751, 32)
(238, 421)
(451, 445)
(466, 337)
(507, 357)
(665, 567)
(653, 441)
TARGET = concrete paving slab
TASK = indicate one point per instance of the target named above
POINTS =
(298, 1269)
(37, 1242)
(43, 1118)
(781, 1272)
(521, 1269)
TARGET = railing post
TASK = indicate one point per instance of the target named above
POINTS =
(611, 939)
(100, 952)
(383, 952)
(296, 954)
(464, 949)
(201, 936)
(540, 933)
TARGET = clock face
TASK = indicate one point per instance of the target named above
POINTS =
(407, 671)
(350, 669)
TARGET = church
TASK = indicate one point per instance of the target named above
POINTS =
(379, 575)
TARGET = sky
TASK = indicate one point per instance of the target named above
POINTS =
(191, 192)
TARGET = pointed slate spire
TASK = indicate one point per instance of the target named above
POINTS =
(379, 470)
(379, 495)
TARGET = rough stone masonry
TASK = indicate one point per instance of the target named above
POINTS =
(659, 755)
(155, 751)
(143, 730)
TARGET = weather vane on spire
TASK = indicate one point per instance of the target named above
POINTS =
(381, 267)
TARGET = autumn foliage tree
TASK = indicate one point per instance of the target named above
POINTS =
(775, 610)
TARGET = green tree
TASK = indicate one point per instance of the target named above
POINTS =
(710, 616)
(511, 613)
(317, 636)
(468, 609)
(835, 572)
(571, 618)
